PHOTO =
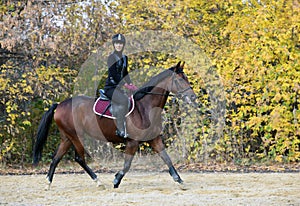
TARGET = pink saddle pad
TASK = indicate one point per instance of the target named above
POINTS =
(101, 108)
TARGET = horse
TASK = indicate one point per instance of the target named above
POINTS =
(74, 118)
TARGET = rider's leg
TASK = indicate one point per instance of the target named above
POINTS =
(119, 110)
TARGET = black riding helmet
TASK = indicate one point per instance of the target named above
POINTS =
(119, 38)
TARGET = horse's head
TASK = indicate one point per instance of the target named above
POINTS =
(180, 84)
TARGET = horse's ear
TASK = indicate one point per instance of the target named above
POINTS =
(178, 65)
(182, 65)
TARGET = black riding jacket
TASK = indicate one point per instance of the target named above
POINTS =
(117, 71)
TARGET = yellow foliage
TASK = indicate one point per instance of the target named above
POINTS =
(253, 47)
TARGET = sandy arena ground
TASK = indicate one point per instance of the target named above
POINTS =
(154, 188)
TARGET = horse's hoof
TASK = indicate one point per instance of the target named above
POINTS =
(116, 183)
(47, 188)
(48, 184)
(183, 186)
(100, 185)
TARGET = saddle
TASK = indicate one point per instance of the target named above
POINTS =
(102, 106)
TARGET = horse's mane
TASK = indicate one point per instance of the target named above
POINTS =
(147, 87)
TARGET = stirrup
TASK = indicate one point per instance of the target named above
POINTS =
(122, 134)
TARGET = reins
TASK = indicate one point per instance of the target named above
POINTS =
(161, 94)
(173, 82)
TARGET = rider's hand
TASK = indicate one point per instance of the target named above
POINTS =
(130, 87)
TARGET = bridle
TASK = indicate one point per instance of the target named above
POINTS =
(175, 81)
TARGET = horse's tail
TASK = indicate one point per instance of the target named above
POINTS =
(42, 134)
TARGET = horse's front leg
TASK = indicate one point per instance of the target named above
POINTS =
(131, 148)
(159, 147)
(165, 157)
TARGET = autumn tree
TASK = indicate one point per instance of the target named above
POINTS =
(255, 47)
(252, 50)
(43, 44)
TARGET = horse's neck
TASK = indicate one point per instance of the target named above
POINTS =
(148, 109)
(156, 98)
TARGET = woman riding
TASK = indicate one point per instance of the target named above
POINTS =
(117, 79)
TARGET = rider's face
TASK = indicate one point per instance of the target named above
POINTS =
(118, 46)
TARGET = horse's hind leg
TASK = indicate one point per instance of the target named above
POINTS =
(159, 147)
(131, 148)
(64, 146)
(79, 158)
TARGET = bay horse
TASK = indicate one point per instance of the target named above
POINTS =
(74, 118)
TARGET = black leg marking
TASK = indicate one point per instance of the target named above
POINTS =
(175, 175)
(82, 163)
(120, 174)
(52, 168)
(163, 154)
(118, 178)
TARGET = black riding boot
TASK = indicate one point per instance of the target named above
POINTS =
(121, 127)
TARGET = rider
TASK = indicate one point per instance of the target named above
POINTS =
(118, 78)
